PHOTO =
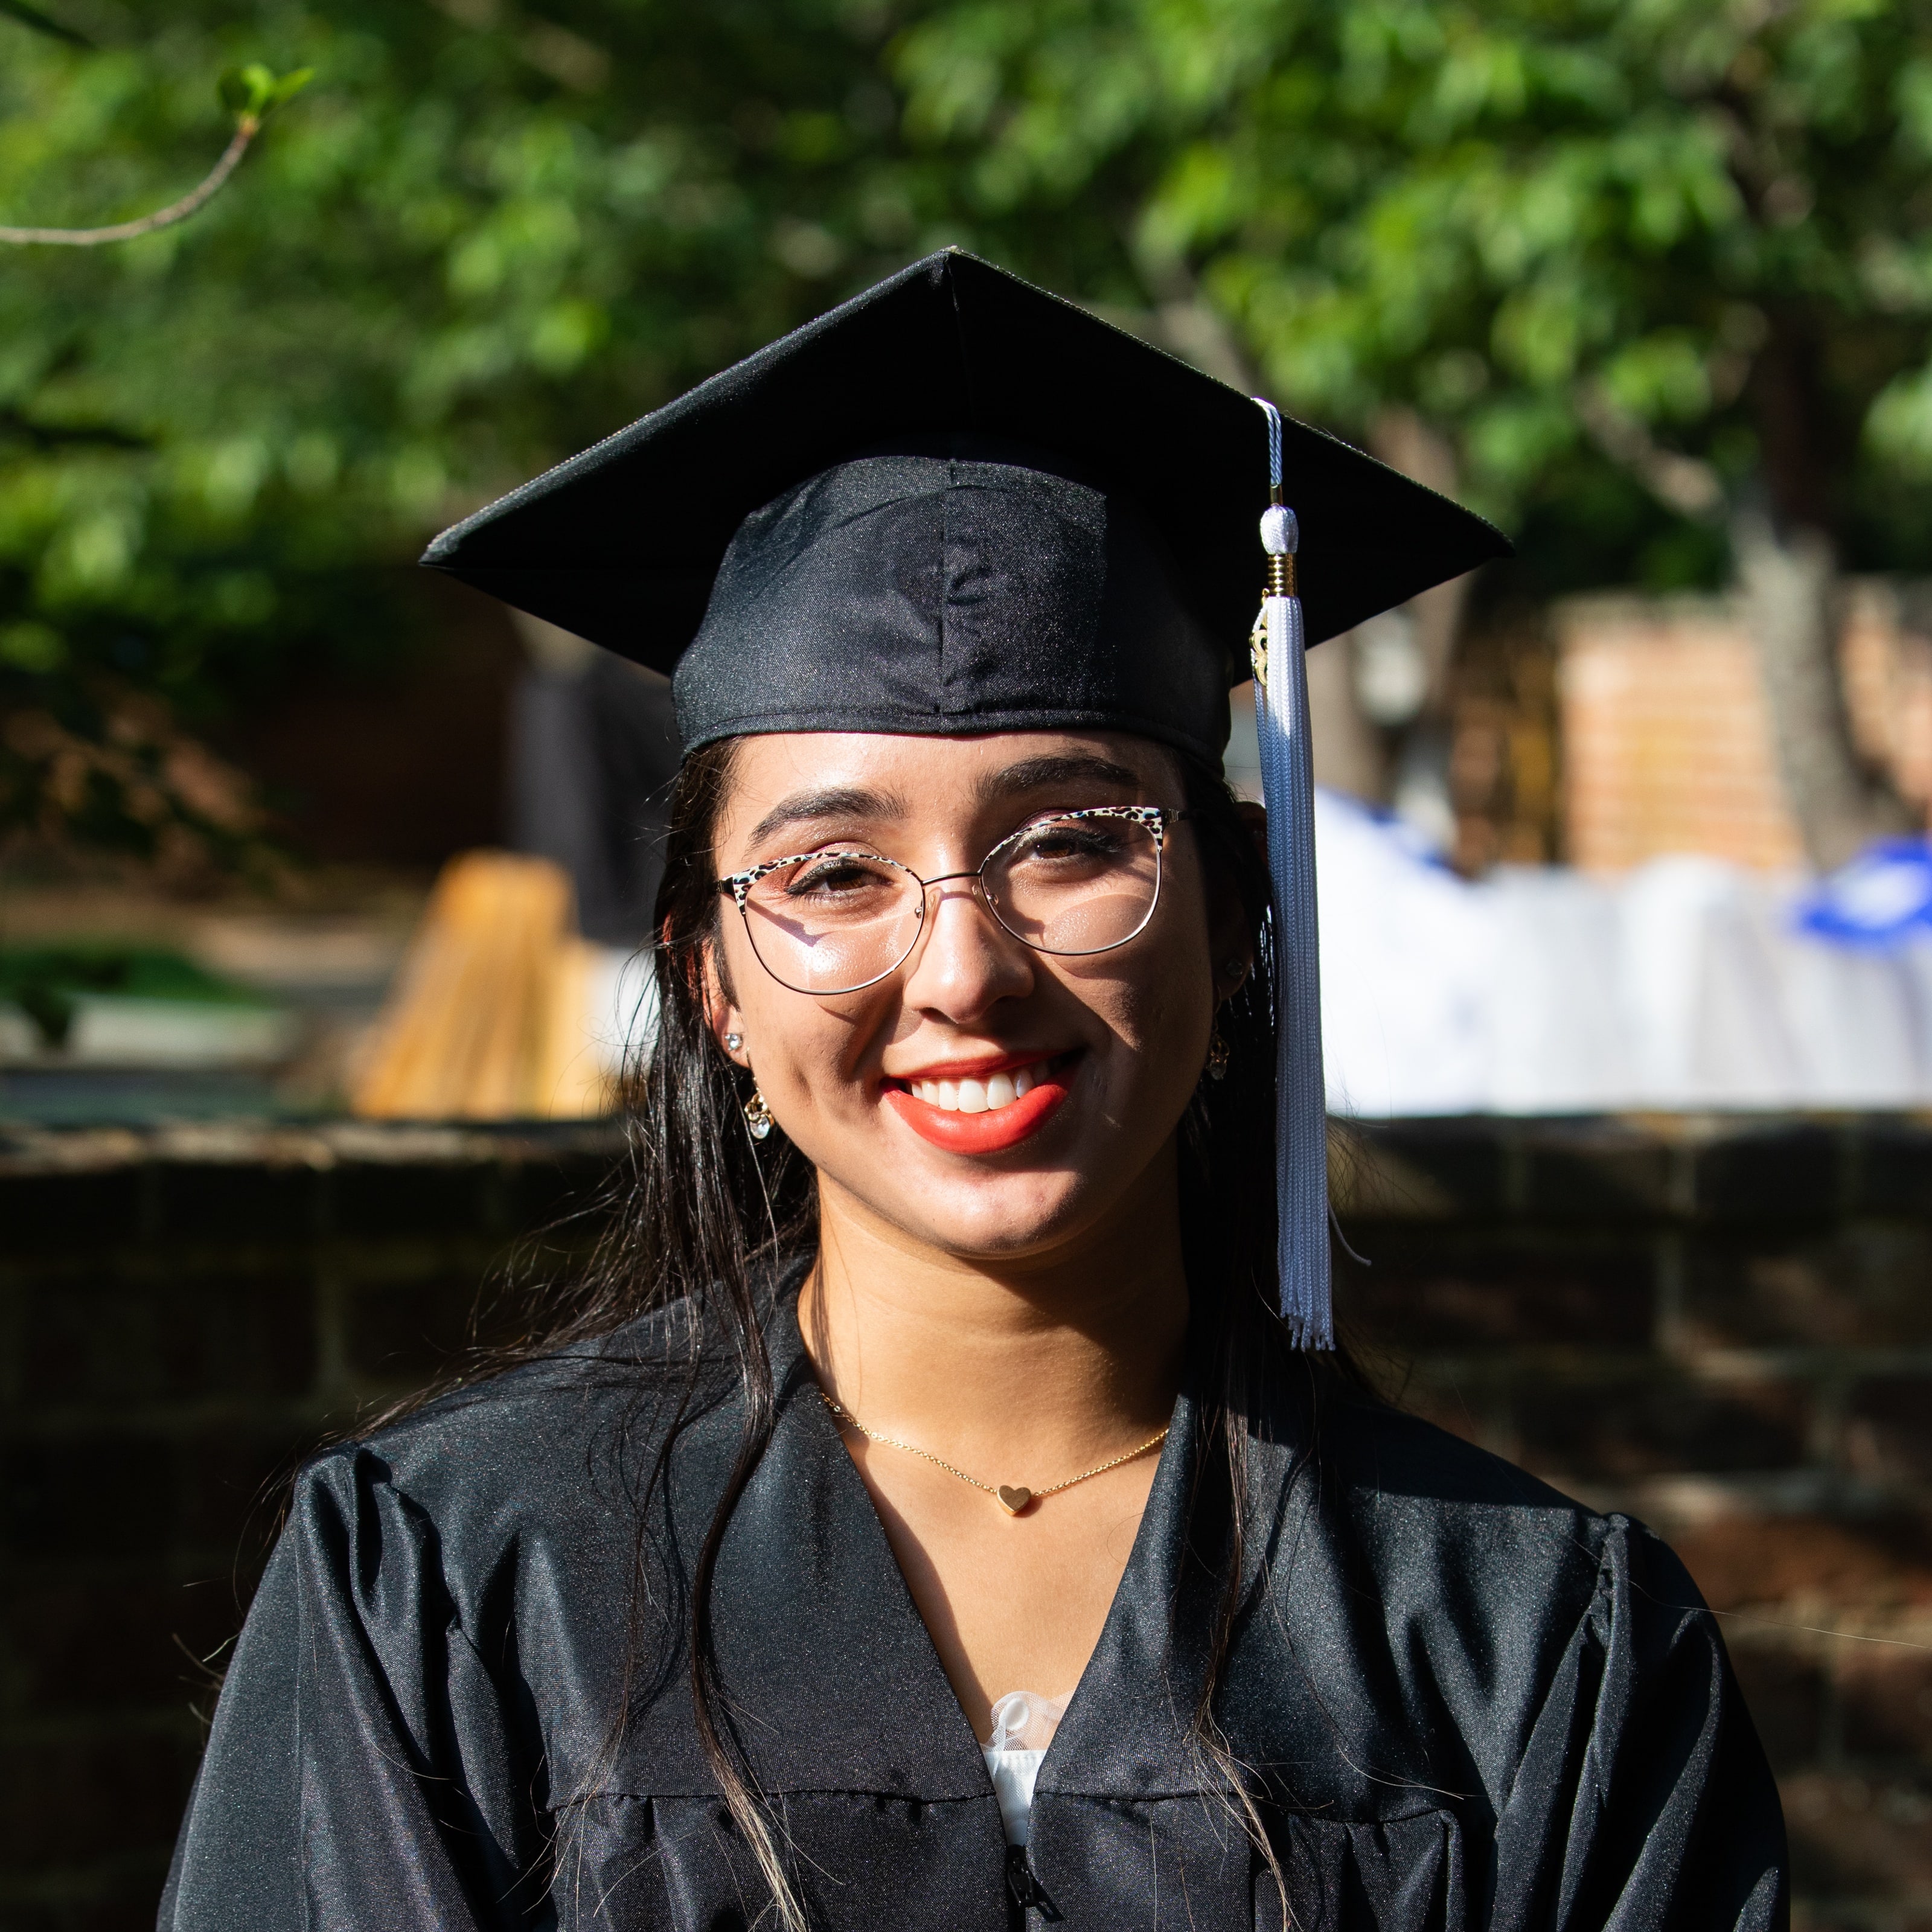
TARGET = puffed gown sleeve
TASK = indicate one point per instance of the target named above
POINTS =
(361, 1772)
(1642, 1797)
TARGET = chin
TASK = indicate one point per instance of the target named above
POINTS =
(997, 1218)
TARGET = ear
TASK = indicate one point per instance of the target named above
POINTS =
(720, 1012)
(1229, 933)
(1254, 819)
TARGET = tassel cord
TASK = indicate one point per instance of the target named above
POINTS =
(1301, 1125)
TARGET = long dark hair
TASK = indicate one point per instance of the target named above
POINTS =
(704, 1214)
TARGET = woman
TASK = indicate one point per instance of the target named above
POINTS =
(927, 1518)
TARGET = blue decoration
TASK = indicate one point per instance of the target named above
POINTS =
(1882, 898)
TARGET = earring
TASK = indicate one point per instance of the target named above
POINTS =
(733, 1041)
(1237, 969)
(757, 1115)
(1217, 1054)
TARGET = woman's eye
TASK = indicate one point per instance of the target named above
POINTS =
(1051, 845)
(835, 876)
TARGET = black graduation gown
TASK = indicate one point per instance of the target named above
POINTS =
(1461, 1700)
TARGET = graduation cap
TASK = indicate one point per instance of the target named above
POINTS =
(958, 504)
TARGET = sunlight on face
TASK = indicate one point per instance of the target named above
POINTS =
(981, 1098)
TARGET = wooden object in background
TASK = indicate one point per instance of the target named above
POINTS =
(487, 1020)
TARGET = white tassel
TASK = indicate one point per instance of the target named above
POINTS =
(1288, 790)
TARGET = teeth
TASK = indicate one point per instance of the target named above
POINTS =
(980, 1096)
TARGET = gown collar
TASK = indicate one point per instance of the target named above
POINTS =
(841, 1687)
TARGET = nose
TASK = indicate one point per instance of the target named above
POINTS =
(965, 962)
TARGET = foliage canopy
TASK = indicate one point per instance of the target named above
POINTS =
(1625, 258)
(1559, 230)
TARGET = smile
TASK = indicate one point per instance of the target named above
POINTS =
(984, 1109)
(980, 1097)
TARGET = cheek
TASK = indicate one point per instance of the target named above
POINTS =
(1171, 1018)
(1162, 1009)
(1156, 1020)
(804, 1051)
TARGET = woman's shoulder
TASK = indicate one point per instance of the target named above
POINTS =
(1427, 1509)
(1380, 1445)
(519, 1434)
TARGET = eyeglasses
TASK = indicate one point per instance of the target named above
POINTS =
(1070, 883)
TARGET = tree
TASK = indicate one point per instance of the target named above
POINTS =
(1589, 246)
(487, 237)
(1649, 281)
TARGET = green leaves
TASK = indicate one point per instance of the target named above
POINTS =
(1488, 213)
(1900, 430)
(252, 92)
(220, 445)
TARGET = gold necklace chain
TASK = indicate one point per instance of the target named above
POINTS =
(1010, 1496)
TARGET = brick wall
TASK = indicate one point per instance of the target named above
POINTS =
(182, 1313)
(1725, 1326)
(1667, 740)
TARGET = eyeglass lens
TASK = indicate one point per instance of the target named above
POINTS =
(837, 921)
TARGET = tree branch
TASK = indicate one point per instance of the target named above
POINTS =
(43, 23)
(162, 218)
(1685, 483)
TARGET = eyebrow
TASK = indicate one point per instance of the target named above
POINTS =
(805, 807)
(1074, 768)
(1065, 768)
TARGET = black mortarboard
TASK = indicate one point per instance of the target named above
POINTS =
(958, 504)
(921, 590)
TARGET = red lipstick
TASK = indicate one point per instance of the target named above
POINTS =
(979, 1133)
(997, 1128)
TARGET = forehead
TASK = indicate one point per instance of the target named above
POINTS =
(929, 780)
(789, 789)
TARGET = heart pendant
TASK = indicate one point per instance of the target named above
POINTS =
(1013, 1501)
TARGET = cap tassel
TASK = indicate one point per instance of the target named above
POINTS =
(1287, 790)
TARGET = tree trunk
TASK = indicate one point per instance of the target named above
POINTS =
(1789, 583)
(1404, 442)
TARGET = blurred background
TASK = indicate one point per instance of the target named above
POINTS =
(324, 886)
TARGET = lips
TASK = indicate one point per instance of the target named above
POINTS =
(983, 1108)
